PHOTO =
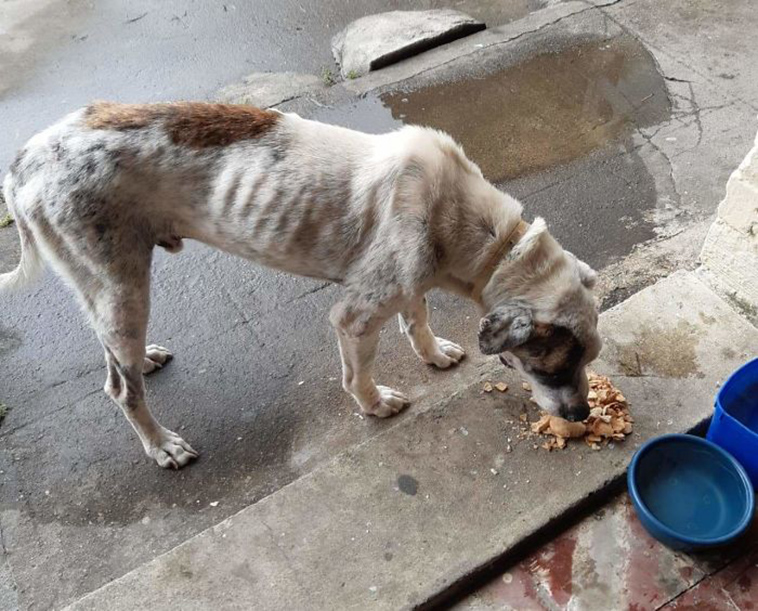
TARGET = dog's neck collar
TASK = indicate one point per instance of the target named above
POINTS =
(493, 260)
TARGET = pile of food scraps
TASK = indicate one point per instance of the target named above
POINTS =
(609, 419)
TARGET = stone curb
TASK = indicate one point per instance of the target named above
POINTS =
(376, 41)
(730, 251)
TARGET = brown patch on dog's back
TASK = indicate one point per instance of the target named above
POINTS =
(193, 124)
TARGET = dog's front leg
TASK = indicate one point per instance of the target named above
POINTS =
(358, 335)
(414, 322)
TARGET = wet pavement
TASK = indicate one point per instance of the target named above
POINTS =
(609, 561)
(585, 129)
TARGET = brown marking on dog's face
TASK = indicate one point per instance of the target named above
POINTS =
(193, 124)
(552, 360)
(551, 349)
(552, 355)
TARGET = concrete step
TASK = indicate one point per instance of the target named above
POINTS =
(408, 516)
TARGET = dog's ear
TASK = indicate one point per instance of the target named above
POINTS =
(530, 241)
(505, 327)
(587, 275)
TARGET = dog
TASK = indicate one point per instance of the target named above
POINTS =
(388, 217)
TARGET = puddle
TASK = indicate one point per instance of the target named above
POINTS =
(366, 114)
(547, 111)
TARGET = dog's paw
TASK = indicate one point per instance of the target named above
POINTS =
(171, 451)
(390, 403)
(446, 355)
(155, 358)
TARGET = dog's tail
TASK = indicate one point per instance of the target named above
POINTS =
(30, 266)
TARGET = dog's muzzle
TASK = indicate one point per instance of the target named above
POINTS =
(575, 413)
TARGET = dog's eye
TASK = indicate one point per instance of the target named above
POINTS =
(504, 361)
(554, 379)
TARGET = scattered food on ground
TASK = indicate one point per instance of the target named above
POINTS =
(6, 220)
(609, 419)
(526, 386)
(489, 387)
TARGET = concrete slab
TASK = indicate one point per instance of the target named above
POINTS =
(386, 524)
(376, 41)
(266, 89)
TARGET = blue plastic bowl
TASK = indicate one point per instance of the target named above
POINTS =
(734, 425)
(689, 493)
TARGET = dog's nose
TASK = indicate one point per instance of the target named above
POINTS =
(575, 413)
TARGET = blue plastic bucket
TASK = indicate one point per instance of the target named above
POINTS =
(734, 426)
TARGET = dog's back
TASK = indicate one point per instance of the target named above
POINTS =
(293, 194)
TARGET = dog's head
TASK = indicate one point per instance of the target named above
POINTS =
(542, 321)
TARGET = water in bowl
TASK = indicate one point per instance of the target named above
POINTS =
(690, 492)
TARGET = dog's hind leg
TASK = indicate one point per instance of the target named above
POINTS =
(120, 319)
(115, 293)
(358, 324)
(414, 322)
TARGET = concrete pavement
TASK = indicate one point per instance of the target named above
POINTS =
(70, 482)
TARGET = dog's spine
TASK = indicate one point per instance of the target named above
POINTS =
(30, 266)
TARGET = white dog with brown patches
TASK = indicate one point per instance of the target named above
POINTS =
(388, 217)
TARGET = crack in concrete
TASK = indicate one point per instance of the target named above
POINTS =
(673, 79)
(316, 289)
(648, 45)
(696, 113)
(694, 585)
(649, 140)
